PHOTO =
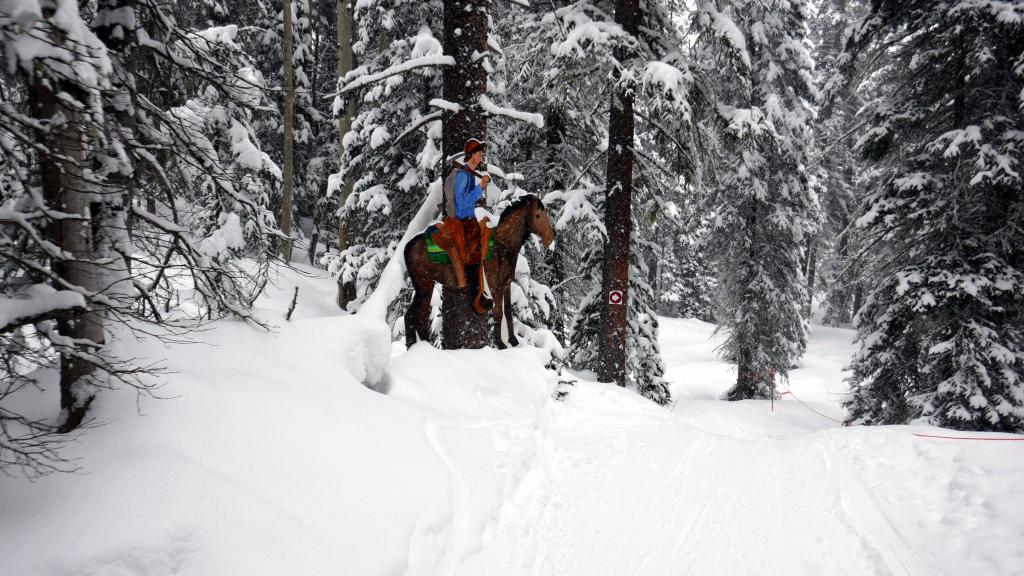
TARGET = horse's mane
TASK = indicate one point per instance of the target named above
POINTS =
(519, 204)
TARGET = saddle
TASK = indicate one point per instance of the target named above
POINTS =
(437, 255)
(465, 239)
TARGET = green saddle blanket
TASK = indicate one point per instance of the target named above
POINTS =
(437, 255)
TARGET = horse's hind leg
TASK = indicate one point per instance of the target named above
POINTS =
(423, 314)
(410, 321)
(417, 317)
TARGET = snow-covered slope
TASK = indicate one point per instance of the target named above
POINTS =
(274, 459)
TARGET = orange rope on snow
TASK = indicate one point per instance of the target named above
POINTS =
(919, 435)
(969, 438)
(804, 404)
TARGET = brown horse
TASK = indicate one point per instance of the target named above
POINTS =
(523, 217)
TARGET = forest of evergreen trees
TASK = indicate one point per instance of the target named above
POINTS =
(744, 162)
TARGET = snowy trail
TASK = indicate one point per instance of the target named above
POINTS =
(607, 483)
(275, 457)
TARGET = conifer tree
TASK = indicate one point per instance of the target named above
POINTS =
(569, 160)
(838, 170)
(763, 199)
(940, 333)
(391, 151)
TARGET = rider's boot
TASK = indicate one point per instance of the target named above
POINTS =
(482, 303)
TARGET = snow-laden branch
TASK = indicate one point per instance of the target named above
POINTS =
(445, 105)
(421, 62)
(39, 302)
(427, 119)
(493, 109)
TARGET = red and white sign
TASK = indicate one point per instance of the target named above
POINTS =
(615, 297)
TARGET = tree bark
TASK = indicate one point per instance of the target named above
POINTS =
(346, 61)
(289, 132)
(465, 39)
(812, 267)
(316, 10)
(617, 216)
(65, 190)
(555, 166)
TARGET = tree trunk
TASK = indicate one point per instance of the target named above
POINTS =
(555, 166)
(289, 132)
(812, 266)
(65, 190)
(465, 33)
(617, 215)
(346, 61)
(747, 377)
(858, 299)
(314, 97)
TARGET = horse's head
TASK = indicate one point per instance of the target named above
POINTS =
(539, 222)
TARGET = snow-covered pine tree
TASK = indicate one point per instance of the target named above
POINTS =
(566, 54)
(838, 171)
(686, 286)
(942, 332)
(552, 159)
(393, 147)
(322, 158)
(763, 198)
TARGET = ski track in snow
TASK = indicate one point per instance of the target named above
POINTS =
(606, 483)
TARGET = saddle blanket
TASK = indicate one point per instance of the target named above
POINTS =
(437, 255)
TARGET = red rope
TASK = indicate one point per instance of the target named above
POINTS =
(970, 438)
(804, 404)
(790, 392)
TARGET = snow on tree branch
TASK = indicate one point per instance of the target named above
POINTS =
(493, 109)
(421, 62)
(38, 302)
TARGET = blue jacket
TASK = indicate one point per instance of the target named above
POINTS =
(467, 192)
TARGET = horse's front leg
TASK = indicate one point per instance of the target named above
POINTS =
(512, 340)
(507, 307)
(492, 270)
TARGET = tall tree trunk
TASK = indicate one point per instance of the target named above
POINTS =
(65, 190)
(113, 234)
(617, 215)
(346, 61)
(811, 270)
(465, 34)
(314, 97)
(289, 132)
(555, 167)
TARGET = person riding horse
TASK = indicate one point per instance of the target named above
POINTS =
(462, 234)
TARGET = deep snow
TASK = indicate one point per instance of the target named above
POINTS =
(274, 458)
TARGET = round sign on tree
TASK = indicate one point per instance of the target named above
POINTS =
(615, 297)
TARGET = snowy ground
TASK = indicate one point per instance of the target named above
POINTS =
(274, 459)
